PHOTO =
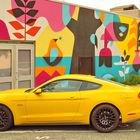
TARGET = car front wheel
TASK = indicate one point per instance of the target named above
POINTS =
(6, 119)
(105, 118)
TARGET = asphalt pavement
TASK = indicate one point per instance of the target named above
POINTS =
(124, 132)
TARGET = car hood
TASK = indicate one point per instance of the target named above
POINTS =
(14, 91)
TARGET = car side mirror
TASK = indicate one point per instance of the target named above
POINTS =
(38, 91)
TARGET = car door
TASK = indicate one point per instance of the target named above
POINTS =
(57, 103)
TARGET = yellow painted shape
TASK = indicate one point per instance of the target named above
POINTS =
(50, 70)
(76, 13)
(65, 44)
(130, 43)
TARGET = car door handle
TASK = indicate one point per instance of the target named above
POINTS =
(71, 98)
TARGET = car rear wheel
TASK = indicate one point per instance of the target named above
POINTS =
(6, 118)
(105, 118)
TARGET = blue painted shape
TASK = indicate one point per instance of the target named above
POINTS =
(98, 13)
(66, 14)
(92, 39)
(116, 18)
(111, 43)
(110, 18)
(108, 76)
(114, 70)
(122, 28)
(53, 54)
(66, 61)
(103, 70)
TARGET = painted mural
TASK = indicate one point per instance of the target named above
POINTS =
(65, 34)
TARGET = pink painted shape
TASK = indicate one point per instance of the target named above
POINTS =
(108, 35)
(105, 52)
(43, 77)
(137, 57)
(72, 9)
(4, 34)
(52, 11)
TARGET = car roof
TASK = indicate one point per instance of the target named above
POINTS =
(75, 76)
(89, 78)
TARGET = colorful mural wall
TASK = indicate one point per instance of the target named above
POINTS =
(64, 32)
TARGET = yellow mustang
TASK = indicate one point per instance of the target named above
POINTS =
(71, 99)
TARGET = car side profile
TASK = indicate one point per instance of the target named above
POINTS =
(71, 99)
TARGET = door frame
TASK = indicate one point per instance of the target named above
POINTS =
(15, 46)
(32, 74)
(9, 79)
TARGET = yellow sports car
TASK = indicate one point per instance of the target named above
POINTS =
(71, 99)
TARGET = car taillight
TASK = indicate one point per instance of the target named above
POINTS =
(139, 95)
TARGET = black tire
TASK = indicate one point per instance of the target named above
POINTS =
(6, 118)
(105, 118)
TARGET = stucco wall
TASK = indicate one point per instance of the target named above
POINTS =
(60, 30)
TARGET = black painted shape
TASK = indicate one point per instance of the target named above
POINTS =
(54, 63)
(117, 31)
(17, 12)
(19, 3)
(82, 28)
(30, 4)
(105, 60)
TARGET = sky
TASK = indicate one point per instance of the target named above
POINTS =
(103, 4)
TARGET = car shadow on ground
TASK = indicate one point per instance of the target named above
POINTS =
(70, 127)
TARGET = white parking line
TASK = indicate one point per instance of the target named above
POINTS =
(44, 137)
(60, 131)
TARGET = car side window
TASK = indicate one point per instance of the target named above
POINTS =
(62, 86)
(90, 86)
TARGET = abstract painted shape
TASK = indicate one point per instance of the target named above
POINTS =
(123, 28)
(132, 43)
(33, 30)
(56, 57)
(43, 77)
(53, 12)
(93, 39)
(107, 76)
(50, 70)
(105, 60)
(80, 29)
(66, 14)
(53, 54)
(4, 34)
(106, 17)
(24, 10)
(120, 30)
(18, 35)
(113, 32)
(136, 62)
(16, 25)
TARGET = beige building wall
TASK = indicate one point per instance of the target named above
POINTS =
(129, 10)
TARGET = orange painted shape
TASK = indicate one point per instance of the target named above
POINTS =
(132, 43)
(18, 35)
(134, 22)
(33, 31)
(133, 30)
(50, 70)
(16, 25)
(52, 45)
(102, 16)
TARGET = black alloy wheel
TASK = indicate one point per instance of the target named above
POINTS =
(105, 118)
(6, 118)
